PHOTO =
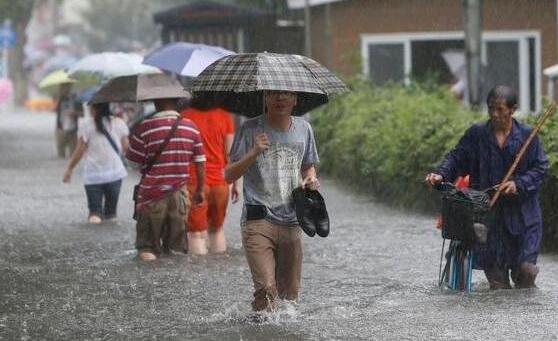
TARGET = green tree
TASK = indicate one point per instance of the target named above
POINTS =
(19, 12)
(121, 25)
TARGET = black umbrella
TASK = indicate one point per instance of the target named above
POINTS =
(237, 82)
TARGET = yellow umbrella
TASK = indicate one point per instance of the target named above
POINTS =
(55, 78)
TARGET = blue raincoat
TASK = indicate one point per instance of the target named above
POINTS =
(516, 234)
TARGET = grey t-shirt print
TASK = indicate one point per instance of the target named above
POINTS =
(276, 172)
(279, 167)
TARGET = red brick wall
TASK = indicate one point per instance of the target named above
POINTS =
(350, 18)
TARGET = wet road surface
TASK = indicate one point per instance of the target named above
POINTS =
(373, 278)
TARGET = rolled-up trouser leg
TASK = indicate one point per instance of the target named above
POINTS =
(259, 242)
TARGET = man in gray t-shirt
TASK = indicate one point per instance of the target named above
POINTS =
(275, 153)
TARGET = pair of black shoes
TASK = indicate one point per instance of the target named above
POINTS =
(311, 212)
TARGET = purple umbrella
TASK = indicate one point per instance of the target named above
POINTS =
(185, 59)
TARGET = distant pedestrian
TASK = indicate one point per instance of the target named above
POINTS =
(163, 146)
(217, 132)
(68, 109)
(101, 140)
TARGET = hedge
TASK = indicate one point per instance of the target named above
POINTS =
(384, 140)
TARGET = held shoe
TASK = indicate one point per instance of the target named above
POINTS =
(319, 213)
(303, 211)
(311, 212)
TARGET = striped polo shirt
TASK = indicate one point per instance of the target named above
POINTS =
(170, 171)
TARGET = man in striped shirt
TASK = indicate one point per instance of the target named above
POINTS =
(163, 201)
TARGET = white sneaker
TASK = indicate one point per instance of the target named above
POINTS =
(94, 219)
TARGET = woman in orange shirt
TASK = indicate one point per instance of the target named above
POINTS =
(217, 132)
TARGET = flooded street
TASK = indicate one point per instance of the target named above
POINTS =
(373, 278)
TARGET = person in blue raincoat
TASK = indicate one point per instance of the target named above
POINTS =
(485, 152)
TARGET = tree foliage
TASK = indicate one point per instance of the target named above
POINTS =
(121, 25)
(385, 139)
(17, 11)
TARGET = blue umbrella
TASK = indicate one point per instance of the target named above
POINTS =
(59, 62)
(86, 95)
(185, 59)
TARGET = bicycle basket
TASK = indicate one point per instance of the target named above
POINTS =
(464, 213)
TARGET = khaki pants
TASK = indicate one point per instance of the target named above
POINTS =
(65, 140)
(163, 220)
(274, 254)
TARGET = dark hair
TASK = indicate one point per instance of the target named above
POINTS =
(502, 92)
(201, 103)
(162, 104)
(102, 110)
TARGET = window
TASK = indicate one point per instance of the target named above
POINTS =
(428, 60)
(386, 63)
(502, 59)
(508, 58)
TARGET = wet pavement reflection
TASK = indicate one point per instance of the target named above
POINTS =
(373, 278)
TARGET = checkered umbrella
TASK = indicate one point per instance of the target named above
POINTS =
(237, 82)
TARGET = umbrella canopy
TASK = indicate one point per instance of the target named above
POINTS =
(108, 65)
(237, 82)
(85, 95)
(142, 87)
(58, 62)
(185, 59)
(55, 78)
(455, 60)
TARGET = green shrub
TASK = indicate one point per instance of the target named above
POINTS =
(385, 139)
(549, 138)
(549, 192)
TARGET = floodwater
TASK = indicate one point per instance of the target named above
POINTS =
(373, 278)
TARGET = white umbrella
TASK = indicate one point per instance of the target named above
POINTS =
(455, 60)
(108, 65)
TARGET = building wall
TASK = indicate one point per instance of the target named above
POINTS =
(260, 35)
(350, 18)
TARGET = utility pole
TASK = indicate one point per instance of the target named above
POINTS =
(472, 20)
(327, 29)
(307, 29)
